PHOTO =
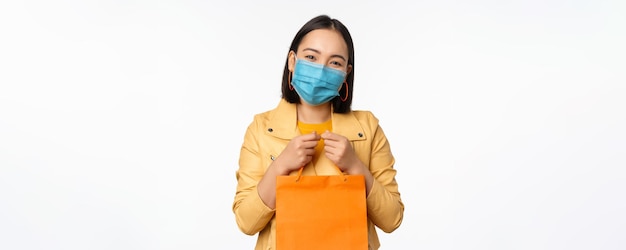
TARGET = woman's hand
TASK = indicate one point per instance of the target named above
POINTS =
(298, 152)
(339, 150)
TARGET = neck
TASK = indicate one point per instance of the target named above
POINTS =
(314, 114)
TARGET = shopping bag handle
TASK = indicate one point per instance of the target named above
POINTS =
(338, 169)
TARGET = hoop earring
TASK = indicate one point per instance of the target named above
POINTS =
(346, 98)
(289, 81)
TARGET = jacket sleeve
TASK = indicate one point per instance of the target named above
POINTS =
(251, 214)
(384, 206)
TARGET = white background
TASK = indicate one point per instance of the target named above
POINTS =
(121, 121)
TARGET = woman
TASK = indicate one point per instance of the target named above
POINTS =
(313, 126)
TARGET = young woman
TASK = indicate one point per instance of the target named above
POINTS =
(313, 126)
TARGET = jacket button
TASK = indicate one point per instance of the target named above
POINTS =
(360, 134)
(270, 130)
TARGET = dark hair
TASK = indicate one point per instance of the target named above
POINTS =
(322, 22)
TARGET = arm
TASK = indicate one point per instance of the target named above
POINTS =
(384, 206)
(251, 213)
(255, 199)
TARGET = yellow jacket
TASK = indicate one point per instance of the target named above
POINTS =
(265, 139)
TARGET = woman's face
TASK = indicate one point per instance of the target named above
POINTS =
(322, 46)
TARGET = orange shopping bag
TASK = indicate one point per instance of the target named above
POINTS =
(321, 212)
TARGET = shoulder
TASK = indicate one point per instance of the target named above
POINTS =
(263, 115)
(260, 120)
(365, 117)
(280, 119)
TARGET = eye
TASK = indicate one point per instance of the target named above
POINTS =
(310, 57)
(336, 63)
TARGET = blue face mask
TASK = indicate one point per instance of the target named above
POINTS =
(315, 83)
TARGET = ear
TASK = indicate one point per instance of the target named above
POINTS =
(348, 70)
(291, 60)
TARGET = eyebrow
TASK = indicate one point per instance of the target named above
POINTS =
(318, 52)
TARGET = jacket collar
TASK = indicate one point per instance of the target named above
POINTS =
(283, 121)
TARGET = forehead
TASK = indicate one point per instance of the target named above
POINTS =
(325, 41)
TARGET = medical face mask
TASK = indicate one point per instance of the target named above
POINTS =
(315, 83)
